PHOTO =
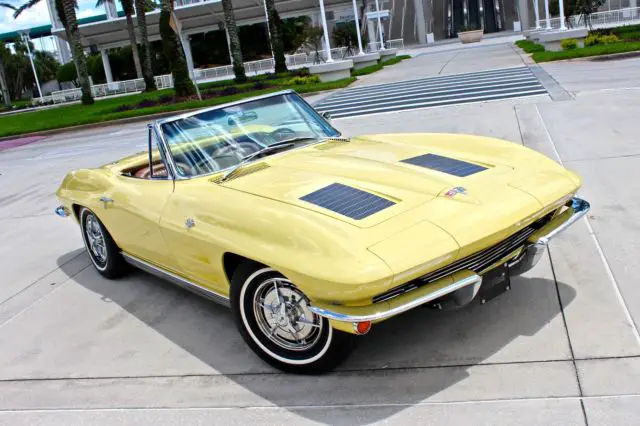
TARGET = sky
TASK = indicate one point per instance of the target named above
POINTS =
(39, 15)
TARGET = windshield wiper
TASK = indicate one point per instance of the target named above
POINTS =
(267, 149)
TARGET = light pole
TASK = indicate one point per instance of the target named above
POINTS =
(25, 37)
(327, 46)
(355, 15)
(379, 26)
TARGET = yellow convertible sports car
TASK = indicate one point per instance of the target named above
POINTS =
(311, 238)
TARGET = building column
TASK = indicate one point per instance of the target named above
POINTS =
(371, 30)
(379, 26)
(110, 10)
(420, 21)
(355, 16)
(536, 11)
(186, 46)
(546, 12)
(562, 26)
(327, 45)
(106, 65)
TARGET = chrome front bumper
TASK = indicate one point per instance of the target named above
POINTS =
(526, 260)
(62, 211)
(534, 251)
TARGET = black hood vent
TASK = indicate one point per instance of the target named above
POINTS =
(445, 165)
(347, 201)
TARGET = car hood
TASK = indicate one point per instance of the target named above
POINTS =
(374, 164)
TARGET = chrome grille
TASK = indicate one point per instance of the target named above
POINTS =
(476, 262)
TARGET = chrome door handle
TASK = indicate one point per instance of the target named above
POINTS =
(106, 200)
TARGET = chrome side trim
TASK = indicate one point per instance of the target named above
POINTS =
(177, 280)
(62, 211)
(475, 280)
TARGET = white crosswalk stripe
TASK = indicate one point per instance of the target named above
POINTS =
(433, 91)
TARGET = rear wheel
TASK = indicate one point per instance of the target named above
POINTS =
(102, 250)
(274, 319)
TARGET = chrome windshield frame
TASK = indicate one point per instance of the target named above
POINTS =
(157, 125)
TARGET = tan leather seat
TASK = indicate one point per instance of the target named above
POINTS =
(159, 170)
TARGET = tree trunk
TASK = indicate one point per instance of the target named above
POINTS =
(78, 52)
(234, 39)
(182, 83)
(145, 56)
(4, 85)
(277, 46)
(134, 46)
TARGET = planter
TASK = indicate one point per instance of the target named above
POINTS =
(332, 71)
(387, 54)
(552, 40)
(470, 36)
(366, 60)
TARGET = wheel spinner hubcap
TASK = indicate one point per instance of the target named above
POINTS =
(283, 315)
(95, 239)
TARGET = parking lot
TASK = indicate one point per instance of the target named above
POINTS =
(561, 348)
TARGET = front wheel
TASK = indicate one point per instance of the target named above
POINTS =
(274, 319)
(102, 250)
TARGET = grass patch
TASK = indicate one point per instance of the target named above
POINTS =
(367, 70)
(596, 50)
(529, 46)
(116, 108)
(395, 60)
(377, 67)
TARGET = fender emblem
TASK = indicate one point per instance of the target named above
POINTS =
(454, 191)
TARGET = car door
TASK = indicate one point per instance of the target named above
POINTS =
(132, 209)
(197, 232)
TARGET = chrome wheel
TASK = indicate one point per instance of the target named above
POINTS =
(283, 316)
(95, 239)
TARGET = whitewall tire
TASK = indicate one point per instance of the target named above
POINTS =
(273, 316)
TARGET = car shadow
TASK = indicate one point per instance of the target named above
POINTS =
(445, 344)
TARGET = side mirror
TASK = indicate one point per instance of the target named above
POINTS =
(326, 116)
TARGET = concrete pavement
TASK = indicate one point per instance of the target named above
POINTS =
(561, 348)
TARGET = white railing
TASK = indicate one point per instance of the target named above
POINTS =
(164, 81)
(604, 19)
(397, 43)
(224, 72)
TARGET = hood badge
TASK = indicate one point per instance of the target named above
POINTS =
(455, 191)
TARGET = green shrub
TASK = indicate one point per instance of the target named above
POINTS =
(594, 38)
(529, 46)
(569, 44)
(299, 81)
(591, 40)
(608, 39)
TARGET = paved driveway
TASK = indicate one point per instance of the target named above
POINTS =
(561, 348)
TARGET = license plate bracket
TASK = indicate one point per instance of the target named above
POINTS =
(494, 283)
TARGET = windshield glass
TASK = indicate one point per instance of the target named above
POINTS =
(216, 140)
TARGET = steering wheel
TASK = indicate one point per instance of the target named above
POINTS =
(283, 133)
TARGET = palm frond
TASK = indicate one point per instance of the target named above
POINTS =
(24, 7)
(7, 5)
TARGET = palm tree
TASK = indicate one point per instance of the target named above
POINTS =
(67, 13)
(127, 8)
(182, 83)
(4, 85)
(234, 40)
(147, 71)
(275, 29)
